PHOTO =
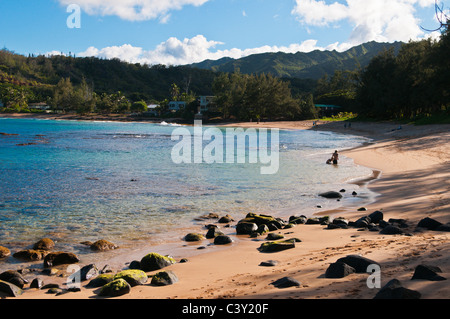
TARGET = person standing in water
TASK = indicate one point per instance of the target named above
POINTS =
(335, 157)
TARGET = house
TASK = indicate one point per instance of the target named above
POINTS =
(206, 102)
(177, 105)
(328, 110)
(39, 106)
(152, 110)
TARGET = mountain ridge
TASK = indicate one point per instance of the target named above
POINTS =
(310, 65)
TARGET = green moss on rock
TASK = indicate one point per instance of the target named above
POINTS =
(194, 237)
(100, 280)
(134, 277)
(155, 261)
(115, 288)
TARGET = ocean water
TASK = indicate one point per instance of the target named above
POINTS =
(76, 181)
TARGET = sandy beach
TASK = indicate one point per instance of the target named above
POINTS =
(413, 171)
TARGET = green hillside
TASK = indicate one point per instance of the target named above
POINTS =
(312, 65)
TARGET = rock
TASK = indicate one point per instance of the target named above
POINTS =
(339, 270)
(164, 278)
(391, 230)
(208, 216)
(313, 221)
(359, 263)
(225, 219)
(246, 228)
(297, 220)
(429, 223)
(274, 236)
(193, 237)
(363, 222)
(106, 269)
(56, 291)
(60, 258)
(262, 229)
(376, 216)
(222, 240)
(286, 282)
(154, 261)
(50, 286)
(258, 219)
(444, 227)
(269, 263)
(44, 244)
(30, 255)
(213, 232)
(115, 288)
(87, 272)
(399, 222)
(135, 264)
(4, 252)
(394, 290)
(331, 195)
(100, 281)
(14, 278)
(134, 277)
(336, 226)
(276, 246)
(103, 245)
(10, 289)
(37, 283)
(354, 193)
(362, 209)
(427, 272)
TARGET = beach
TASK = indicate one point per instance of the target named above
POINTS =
(411, 175)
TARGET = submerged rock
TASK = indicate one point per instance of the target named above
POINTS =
(60, 258)
(103, 245)
(4, 252)
(30, 254)
(331, 195)
(44, 244)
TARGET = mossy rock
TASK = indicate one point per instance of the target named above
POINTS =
(154, 261)
(44, 244)
(194, 237)
(4, 252)
(100, 280)
(164, 278)
(275, 246)
(115, 288)
(274, 236)
(134, 277)
(30, 254)
(258, 219)
(103, 245)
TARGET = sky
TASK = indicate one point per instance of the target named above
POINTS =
(177, 32)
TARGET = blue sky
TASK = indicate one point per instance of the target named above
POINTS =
(185, 31)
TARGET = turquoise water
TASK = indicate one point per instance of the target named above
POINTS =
(74, 181)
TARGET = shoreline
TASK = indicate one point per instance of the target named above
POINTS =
(243, 278)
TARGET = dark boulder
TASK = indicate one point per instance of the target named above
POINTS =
(44, 244)
(376, 216)
(225, 219)
(222, 240)
(391, 230)
(427, 272)
(359, 263)
(213, 232)
(429, 223)
(286, 282)
(10, 289)
(339, 270)
(394, 290)
(100, 281)
(275, 246)
(331, 195)
(30, 254)
(164, 278)
(444, 227)
(246, 228)
(154, 261)
(37, 283)
(268, 263)
(14, 278)
(60, 258)
(274, 236)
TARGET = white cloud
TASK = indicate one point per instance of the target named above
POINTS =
(133, 10)
(372, 20)
(197, 49)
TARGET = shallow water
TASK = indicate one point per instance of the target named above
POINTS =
(74, 181)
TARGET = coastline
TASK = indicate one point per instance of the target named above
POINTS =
(234, 272)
